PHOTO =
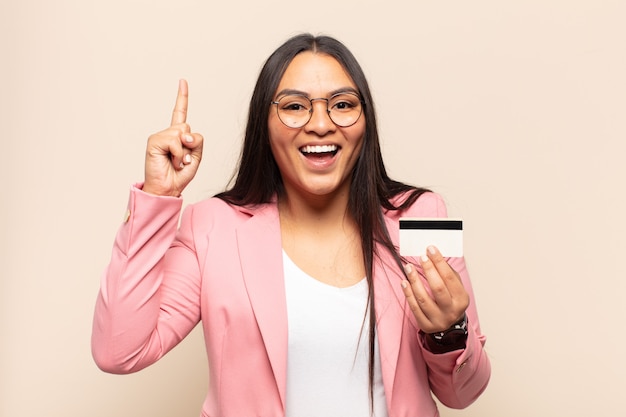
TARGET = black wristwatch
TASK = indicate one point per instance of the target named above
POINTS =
(452, 339)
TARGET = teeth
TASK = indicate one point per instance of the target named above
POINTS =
(319, 148)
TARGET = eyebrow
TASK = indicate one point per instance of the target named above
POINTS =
(291, 91)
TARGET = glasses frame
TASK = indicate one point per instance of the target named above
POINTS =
(328, 111)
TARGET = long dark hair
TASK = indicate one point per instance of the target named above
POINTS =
(258, 179)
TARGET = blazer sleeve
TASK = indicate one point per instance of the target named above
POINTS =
(144, 307)
(457, 378)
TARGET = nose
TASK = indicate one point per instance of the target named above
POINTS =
(320, 122)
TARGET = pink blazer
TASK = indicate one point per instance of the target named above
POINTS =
(224, 267)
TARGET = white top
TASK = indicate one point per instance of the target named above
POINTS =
(327, 360)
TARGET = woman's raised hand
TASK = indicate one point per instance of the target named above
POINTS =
(173, 155)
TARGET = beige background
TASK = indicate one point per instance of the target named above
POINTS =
(514, 111)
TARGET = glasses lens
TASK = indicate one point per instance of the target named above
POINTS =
(345, 109)
(294, 110)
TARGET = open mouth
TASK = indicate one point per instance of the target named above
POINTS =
(319, 151)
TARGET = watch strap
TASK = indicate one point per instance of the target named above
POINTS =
(451, 339)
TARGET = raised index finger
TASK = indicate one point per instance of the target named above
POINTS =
(179, 115)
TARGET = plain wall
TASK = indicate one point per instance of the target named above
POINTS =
(514, 111)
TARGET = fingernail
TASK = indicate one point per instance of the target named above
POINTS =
(404, 283)
(424, 258)
(188, 138)
(188, 158)
(408, 268)
(432, 250)
(181, 166)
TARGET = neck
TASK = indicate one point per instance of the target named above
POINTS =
(315, 211)
(322, 238)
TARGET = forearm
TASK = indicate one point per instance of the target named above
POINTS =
(128, 304)
(458, 377)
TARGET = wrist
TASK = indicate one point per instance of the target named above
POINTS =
(451, 339)
(146, 188)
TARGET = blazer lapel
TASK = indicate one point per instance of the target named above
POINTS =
(260, 248)
(390, 304)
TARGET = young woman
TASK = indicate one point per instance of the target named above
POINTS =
(307, 307)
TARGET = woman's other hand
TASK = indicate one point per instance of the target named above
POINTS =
(173, 155)
(437, 298)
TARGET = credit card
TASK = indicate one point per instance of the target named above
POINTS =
(416, 234)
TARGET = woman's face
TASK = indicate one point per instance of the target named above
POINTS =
(317, 159)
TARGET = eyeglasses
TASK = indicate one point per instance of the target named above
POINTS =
(295, 110)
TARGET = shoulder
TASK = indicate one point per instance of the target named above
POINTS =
(213, 204)
(429, 204)
(215, 210)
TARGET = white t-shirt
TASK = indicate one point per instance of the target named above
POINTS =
(327, 360)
